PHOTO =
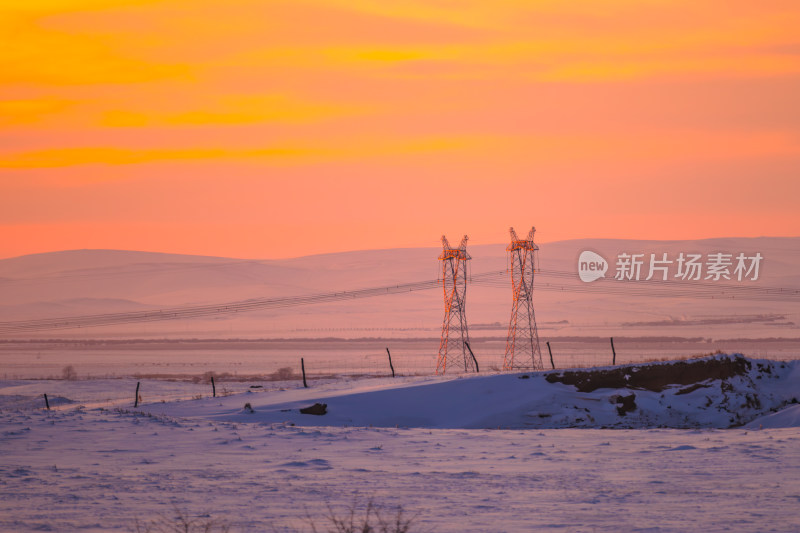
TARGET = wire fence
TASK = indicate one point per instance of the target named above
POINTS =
(273, 360)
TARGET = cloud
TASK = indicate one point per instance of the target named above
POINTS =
(598, 95)
(324, 150)
(64, 157)
(31, 111)
(229, 109)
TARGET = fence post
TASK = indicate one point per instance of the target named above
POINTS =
(473, 357)
(136, 398)
(46, 402)
(213, 388)
(551, 355)
(390, 360)
(614, 352)
(303, 368)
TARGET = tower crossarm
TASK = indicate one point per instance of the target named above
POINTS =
(522, 244)
(449, 252)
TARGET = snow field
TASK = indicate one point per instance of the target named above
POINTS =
(93, 470)
(429, 445)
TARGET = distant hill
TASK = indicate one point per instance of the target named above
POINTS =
(102, 281)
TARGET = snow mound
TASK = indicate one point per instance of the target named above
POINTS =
(719, 391)
(18, 402)
(713, 392)
(785, 418)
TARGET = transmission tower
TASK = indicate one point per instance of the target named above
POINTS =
(455, 336)
(522, 344)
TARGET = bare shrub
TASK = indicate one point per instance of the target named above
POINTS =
(205, 378)
(69, 373)
(373, 521)
(282, 374)
(182, 523)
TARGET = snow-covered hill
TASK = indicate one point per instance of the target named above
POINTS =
(101, 281)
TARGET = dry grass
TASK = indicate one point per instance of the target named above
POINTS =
(373, 519)
(182, 522)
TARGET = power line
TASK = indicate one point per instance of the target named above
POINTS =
(198, 311)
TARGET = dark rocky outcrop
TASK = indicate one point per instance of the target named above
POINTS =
(316, 409)
(625, 404)
(653, 377)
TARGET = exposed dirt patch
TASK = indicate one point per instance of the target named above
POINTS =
(316, 409)
(625, 404)
(653, 377)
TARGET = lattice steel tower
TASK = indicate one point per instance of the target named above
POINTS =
(522, 344)
(455, 335)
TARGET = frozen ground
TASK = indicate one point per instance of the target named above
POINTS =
(93, 463)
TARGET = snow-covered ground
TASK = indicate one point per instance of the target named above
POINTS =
(430, 445)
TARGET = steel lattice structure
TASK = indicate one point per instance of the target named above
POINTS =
(522, 344)
(455, 334)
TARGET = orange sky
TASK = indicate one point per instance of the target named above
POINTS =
(266, 129)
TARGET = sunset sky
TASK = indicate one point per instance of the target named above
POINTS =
(269, 129)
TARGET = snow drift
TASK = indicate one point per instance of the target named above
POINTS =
(719, 391)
